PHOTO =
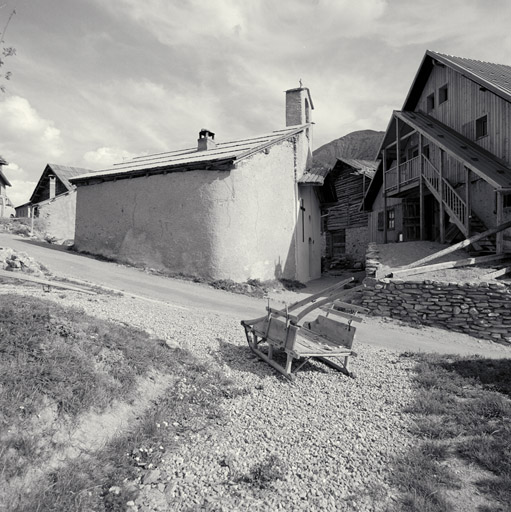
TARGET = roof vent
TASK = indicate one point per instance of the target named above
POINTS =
(206, 140)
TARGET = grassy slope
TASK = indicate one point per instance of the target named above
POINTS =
(62, 361)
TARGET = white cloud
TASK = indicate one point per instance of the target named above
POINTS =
(466, 28)
(106, 156)
(21, 124)
(27, 141)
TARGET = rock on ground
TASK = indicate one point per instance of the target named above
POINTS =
(16, 261)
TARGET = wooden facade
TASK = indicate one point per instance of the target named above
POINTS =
(345, 222)
(446, 157)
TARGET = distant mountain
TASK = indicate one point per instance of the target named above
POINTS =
(362, 144)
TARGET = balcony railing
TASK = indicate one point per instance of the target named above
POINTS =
(453, 202)
(407, 173)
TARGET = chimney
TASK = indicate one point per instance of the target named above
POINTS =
(206, 140)
(298, 106)
(53, 183)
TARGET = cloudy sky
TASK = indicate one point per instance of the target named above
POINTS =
(96, 81)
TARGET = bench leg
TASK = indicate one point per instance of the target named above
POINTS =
(343, 368)
(289, 363)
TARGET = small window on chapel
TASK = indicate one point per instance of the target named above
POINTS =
(481, 127)
(443, 94)
(430, 102)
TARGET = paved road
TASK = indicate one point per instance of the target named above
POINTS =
(65, 263)
(375, 331)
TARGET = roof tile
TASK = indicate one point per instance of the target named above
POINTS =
(232, 150)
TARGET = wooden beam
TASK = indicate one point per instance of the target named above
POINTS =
(441, 192)
(45, 282)
(421, 189)
(323, 302)
(459, 245)
(468, 179)
(398, 157)
(342, 314)
(500, 217)
(384, 156)
(498, 273)
(448, 264)
(403, 137)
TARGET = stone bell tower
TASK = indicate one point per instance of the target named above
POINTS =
(299, 106)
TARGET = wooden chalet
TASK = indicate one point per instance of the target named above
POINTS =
(445, 169)
(341, 190)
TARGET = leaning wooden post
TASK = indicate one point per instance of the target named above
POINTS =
(467, 201)
(500, 217)
(31, 215)
(441, 192)
(421, 188)
(384, 156)
(398, 159)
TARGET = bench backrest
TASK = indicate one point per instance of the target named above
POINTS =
(336, 332)
(276, 332)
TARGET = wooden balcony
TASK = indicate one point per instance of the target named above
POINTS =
(407, 176)
(402, 178)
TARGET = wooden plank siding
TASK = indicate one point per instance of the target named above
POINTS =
(349, 187)
(459, 102)
(467, 102)
(375, 234)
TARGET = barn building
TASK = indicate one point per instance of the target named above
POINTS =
(446, 156)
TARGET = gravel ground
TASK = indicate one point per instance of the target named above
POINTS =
(335, 437)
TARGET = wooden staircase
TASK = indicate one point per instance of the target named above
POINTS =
(445, 193)
(486, 245)
(458, 212)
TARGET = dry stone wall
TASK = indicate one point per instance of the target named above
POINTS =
(479, 309)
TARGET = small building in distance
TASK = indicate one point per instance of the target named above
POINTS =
(221, 210)
(54, 201)
(446, 157)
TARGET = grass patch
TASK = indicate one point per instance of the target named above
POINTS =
(265, 474)
(462, 411)
(64, 356)
(57, 364)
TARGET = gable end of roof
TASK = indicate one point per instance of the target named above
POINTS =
(494, 77)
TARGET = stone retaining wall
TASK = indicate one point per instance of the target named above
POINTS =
(482, 310)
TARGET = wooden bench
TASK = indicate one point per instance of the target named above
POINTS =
(323, 338)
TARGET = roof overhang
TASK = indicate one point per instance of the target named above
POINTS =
(373, 188)
(4, 179)
(101, 177)
(224, 160)
(474, 157)
(432, 59)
